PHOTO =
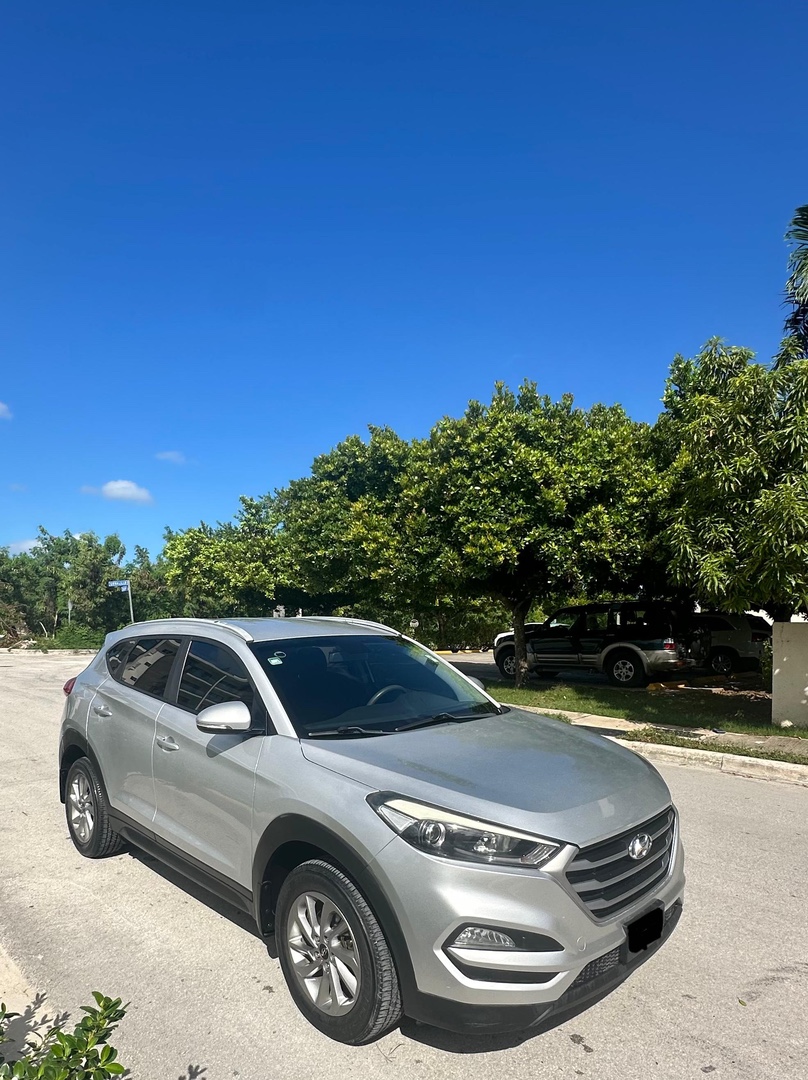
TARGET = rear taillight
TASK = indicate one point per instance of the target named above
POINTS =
(760, 637)
(669, 645)
(68, 686)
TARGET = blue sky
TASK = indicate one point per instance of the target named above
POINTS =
(234, 233)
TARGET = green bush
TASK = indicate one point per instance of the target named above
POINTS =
(766, 664)
(84, 1055)
(73, 637)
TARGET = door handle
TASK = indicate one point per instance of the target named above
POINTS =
(102, 710)
(165, 742)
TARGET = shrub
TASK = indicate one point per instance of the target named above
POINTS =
(73, 637)
(766, 664)
(84, 1055)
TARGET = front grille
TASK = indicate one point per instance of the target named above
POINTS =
(607, 879)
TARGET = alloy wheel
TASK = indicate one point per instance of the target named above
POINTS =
(323, 952)
(623, 671)
(82, 808)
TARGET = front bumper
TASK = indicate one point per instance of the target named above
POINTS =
(595, 981)
(466, 989)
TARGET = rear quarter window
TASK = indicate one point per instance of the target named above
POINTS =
(116, 658)
(147, 664)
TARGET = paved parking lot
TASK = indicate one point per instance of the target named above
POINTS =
(727, 997)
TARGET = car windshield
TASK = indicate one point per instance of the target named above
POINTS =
(365, 684)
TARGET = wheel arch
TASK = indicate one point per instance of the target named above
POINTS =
(75, 746)
(623, 646)
(292, 839)
(724, 648)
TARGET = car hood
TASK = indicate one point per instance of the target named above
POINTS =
(519, 769)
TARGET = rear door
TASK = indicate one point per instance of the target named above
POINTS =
(592, 632)
(122, 720)
(204, 783)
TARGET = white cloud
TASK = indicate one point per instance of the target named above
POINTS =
(122, 490)
(176, 457)
(5, 412)
(126, 490)
(19, 546)
(17, 487)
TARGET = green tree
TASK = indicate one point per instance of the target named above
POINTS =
(795, 343)
(739, 490)
(229, 569)
(533, 500)
(336, 527)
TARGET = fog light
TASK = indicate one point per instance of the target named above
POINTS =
(479, 937)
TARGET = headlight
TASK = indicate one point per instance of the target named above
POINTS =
(452, 836)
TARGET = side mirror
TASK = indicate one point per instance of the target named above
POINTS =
(224, 717)
(477, 682)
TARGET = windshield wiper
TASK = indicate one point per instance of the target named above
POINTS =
(348, 729)
(439, 718)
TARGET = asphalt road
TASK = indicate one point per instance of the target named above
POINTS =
(727, 996)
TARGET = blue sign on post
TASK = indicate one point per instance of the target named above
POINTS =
(124, 585)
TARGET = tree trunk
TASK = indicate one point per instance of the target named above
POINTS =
(780, 612)
(519, 610)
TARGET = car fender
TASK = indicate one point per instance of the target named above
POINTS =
(296, 828)
(626, 646)
(73, 740)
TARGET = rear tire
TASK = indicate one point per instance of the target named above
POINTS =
(334, 955)
(625, 669)
(87, 813)
(723, 662)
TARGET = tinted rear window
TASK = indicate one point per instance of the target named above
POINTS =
(148, 665)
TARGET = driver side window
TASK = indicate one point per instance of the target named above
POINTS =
(563, 620)
(213, 674)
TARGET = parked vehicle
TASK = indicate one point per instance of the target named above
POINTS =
(630, 641)
(410, 846)
(736, 641)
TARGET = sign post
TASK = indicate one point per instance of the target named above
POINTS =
(124, 585)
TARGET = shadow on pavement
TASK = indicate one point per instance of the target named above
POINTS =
(28, 1027)
(197, 892)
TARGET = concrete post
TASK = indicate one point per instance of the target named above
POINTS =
(790, 673)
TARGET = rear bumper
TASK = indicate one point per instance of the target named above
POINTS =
(597, 979)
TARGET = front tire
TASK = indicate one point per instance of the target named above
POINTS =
(506, 662)
(87, 812)
(334, 955)
(625, 669)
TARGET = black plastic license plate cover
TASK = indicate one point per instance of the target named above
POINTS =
(646, 930)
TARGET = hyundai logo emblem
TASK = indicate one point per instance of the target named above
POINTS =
(639, 847)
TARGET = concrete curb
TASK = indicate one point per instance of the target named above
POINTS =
(734, 764)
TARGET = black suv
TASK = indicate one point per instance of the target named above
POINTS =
(629, 640)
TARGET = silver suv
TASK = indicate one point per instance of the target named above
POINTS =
(406, 844)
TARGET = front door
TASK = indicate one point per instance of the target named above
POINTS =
(555, 646)
(204, 783)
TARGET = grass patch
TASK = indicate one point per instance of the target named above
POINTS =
(745, 712)
(666, 738)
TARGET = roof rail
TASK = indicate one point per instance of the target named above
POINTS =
(223, 623)
(351, 622)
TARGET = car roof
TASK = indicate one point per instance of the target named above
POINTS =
(258, 629)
